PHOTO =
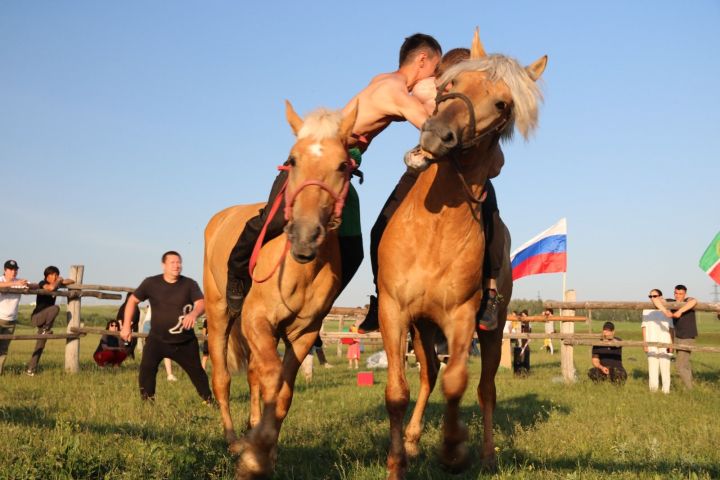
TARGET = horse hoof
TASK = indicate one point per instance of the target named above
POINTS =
(237, 447)
(456, 459)
(412, 449)
(250, 467)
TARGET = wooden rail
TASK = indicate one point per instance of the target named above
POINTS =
(72, 293)
(594, 305)
(37, 336)
(102, 331)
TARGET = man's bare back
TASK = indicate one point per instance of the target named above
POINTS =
(387, 99)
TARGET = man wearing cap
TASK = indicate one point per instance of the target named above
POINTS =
(607, 359)
(9, 303)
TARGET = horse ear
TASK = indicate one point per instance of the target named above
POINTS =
(293, 118)
(348, 122)
(477, 50)
(537, 68)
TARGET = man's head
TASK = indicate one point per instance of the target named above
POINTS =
(451, 58)
(548, 312)
(51, 273)
(423, 51)
(608, 330)
(680, 293)
(11, 269)
(171, 265)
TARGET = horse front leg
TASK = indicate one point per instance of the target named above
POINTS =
(429, 365)
(257, 459)
(491, 348)
(393, 327)
(454, 452)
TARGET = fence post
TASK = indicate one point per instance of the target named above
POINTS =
(340, 329)
(72, 346)
(566, 351)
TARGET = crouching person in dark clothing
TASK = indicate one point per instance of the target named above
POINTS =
(176, 302)
(607, 359)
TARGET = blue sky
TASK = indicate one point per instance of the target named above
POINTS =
(124, 126)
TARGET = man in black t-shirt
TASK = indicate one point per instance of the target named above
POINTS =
(45, 313)
(607, 359)
(685, 333)
(176, 302)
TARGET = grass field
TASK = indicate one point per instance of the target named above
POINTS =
(93, 424)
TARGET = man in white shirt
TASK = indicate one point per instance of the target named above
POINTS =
(9, 306)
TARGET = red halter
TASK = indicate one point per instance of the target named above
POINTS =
(289, 202)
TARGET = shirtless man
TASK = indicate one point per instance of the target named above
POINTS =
(385, 100)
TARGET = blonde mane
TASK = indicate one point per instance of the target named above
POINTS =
(321, 124)
(525, 92)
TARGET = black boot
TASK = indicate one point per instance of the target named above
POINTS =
(235, 295)
(371, 322)
(487, 317)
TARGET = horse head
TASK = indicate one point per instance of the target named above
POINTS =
(319, 178)
(481, 100)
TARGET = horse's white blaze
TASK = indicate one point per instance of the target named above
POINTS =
(316, 149)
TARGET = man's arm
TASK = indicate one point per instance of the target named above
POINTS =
(410, 108)
(596, 363)
(191, 318)
(18, 282)
(689, 305)
(132, 302)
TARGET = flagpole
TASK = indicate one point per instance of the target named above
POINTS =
(564, 282)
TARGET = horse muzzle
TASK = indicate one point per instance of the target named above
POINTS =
(437, 138)
(305, 239)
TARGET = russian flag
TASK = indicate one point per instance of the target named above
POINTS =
(545, 253)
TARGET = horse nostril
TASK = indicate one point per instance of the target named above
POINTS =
(501, 106)
(448, 138)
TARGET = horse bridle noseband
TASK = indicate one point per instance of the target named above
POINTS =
(475, 137)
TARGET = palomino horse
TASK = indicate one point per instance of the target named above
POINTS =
(431, 254)
(297, 295)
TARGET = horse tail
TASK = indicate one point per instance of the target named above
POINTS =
(237, 349)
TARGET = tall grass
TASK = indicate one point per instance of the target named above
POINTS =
(94, 425)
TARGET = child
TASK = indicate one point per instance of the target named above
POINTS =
(353, 353)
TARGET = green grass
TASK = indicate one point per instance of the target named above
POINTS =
(93, 424)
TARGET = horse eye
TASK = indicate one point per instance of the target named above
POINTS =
(343, 167)
(290, 161)
(501, 106)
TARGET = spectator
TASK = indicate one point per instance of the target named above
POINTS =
(607, 359)
(135, 322)
(9, 303)
(318, 349)
(521, 352)
(549, 329)
(109, 351)
(353, 353)
(657, 326)
(685, 333)
(45, 312)
(176, 302)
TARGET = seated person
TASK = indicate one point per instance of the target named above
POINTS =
(110, 350)
(134, 325)
(607, 359)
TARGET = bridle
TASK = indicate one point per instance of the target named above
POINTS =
(339, 197)
(475, 138)
(289, 197)
(495, 128)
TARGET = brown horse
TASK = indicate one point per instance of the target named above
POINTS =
(431, 254)
(297, 295)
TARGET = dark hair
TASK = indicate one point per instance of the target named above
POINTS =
(552, 312)
(659, 292)
(170, 252)
(452, 57)
(609, 326)
(681, 287)
(107, 325)
(417, 43)
(50, 270)
(525, 312)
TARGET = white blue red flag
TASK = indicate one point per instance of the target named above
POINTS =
(545, 253)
